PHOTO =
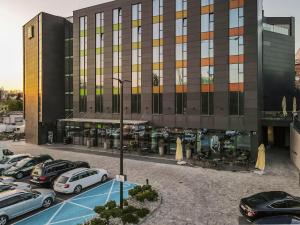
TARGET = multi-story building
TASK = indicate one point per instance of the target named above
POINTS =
(195, 68)
(297, 68)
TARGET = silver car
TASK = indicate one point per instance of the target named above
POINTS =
(18, 202)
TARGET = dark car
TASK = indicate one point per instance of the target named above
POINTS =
(46, 173)
(267, 204)
(285, 219)
(24, 167)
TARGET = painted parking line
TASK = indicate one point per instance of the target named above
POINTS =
(80, 208)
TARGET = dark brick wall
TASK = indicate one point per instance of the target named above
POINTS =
(52, 100)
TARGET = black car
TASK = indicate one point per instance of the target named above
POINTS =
(285, 219)
(24, 167)
(46, 173)
(267, 204)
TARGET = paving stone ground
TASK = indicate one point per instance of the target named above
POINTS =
(191, 196)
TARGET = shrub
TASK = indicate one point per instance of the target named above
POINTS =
(142, 212)
(97, 221)
(146, 187)
(129, 218)
(99, 209)
(135, 190)
(111, 205)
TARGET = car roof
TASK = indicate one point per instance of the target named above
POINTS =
(4, 195)
(17, 155)
(54, 162)
(75, 171)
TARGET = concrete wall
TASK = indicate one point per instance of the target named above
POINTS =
(295, 146)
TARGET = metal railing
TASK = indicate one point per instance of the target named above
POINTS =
(277, 115)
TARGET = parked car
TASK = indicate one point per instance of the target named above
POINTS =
(46, 173)
(4, 152)
(75, 180)
(13, 186)
(285, 219)
(4, 179)
(269, 204)
(25, 166)
(17, 202)
(10, 161)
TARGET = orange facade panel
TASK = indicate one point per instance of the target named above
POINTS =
(207, 88)
(181, 63)
(181, 14)
(181, 88)
(236, 87)
(207, 35)
(157, 89)
(236, 59)
(207, 62)
(236, 3)
(181, 39)
(238, 31)
(207, 9)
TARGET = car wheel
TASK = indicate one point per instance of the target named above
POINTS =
(19, 175)
(47, 202)
(3, 220)
(104, 178)
(77, 189)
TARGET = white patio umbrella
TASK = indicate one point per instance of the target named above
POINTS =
(283, 104)
(179, 154)
(294, 105)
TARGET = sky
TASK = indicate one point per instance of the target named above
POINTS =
(15, 13)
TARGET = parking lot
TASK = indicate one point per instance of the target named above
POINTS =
(78, 208)
(191, 196)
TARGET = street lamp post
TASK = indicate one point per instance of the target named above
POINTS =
(121, 82)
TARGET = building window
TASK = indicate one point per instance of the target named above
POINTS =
(136, 26)
(68, 70)
(157, 63)
(99, 89)
(117, 59)
(207, 57)
(83, 65)
(181, 57)
(236, 57)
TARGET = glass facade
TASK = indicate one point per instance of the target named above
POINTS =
(117, 58)
(68, 70)
(157, 63)
(136, 56)
(181, 57)
(99, 89)
(207, 57)
(236, 57)
(83, 65)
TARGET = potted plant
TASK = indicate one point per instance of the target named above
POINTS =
(161, 147)
(188, 151)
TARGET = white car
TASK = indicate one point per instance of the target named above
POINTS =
(5, 179)
(11, 160)
(75, 180)
(13, 186)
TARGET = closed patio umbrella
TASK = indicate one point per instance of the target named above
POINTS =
(294, 105)
(261, 158)
(283, 104)
(179, 154)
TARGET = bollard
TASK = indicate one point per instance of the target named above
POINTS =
(147, 181)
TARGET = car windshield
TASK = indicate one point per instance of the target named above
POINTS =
(22, 162)
(63, 179)
(4, 160)
(256, 200)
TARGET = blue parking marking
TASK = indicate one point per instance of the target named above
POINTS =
(80, 208)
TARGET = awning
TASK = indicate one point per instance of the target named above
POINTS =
(103, 121)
